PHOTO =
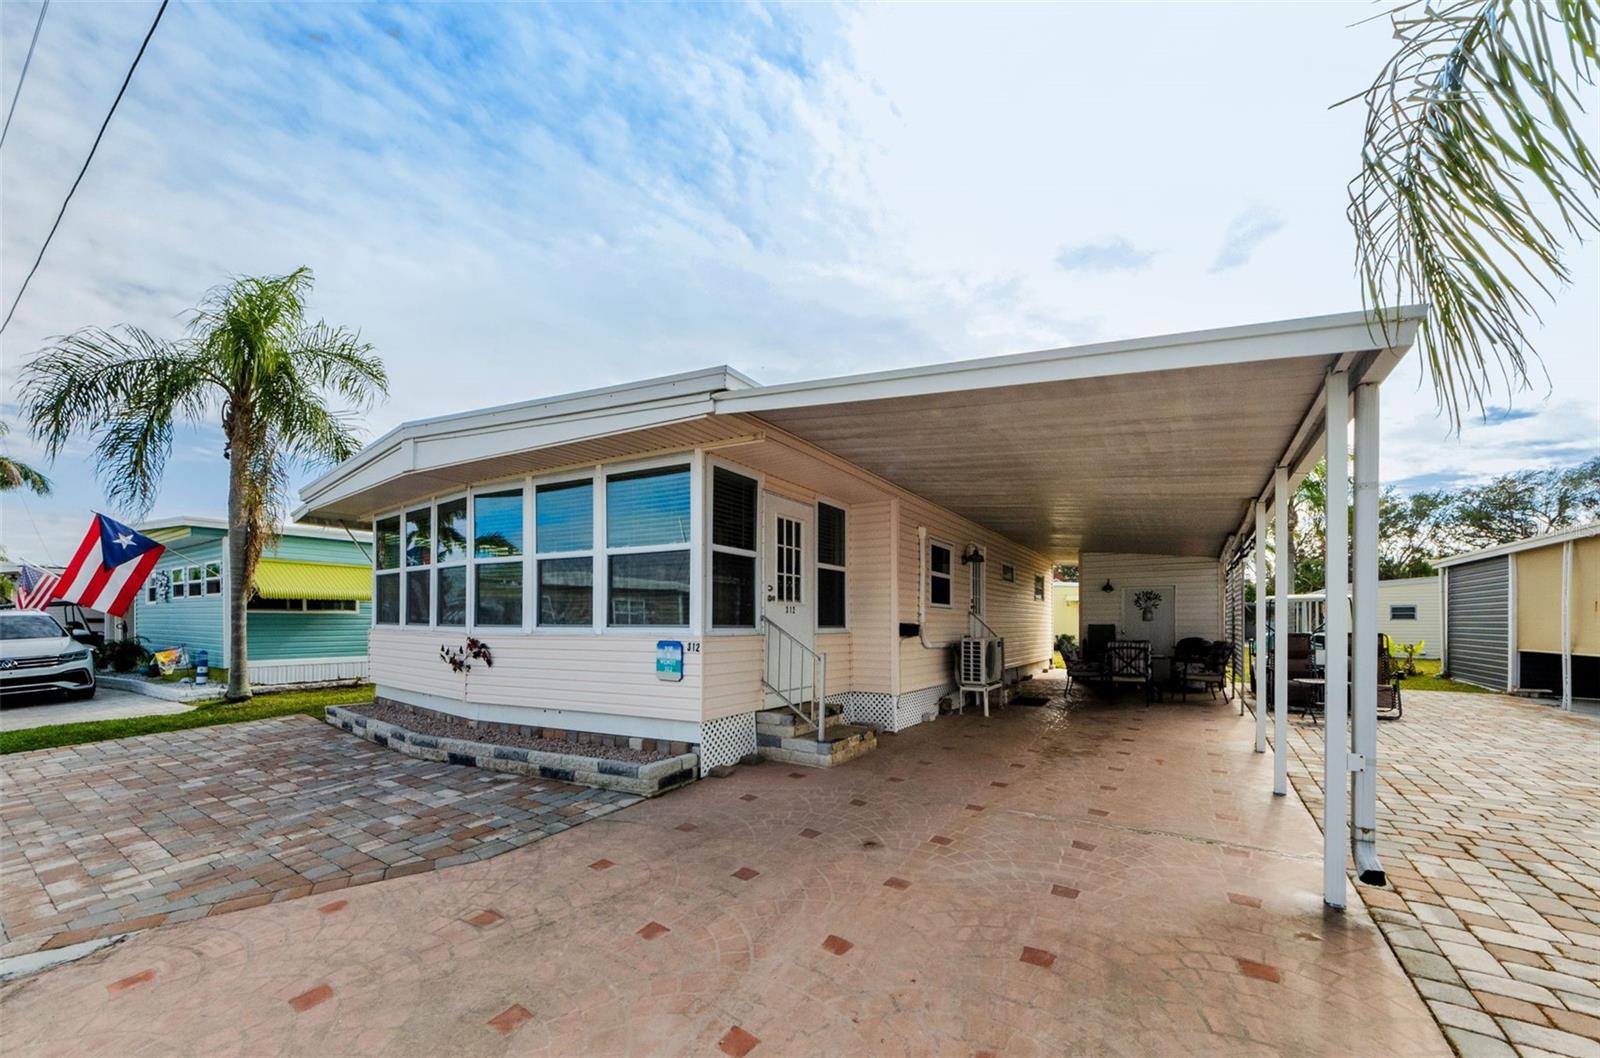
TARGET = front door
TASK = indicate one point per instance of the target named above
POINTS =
(787, 561)
(1147, 613)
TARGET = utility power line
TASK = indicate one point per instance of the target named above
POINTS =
(24, 75)
(92, 148)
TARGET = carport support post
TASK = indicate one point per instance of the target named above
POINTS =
(1280, 631)
(1364, 674)
(1258, 660)
(1336, 626)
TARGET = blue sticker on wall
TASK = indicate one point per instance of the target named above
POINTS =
(669, 660)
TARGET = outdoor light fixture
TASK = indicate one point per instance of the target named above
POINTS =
(971, 554)
(1106, 587)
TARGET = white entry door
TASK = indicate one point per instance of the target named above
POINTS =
(788, 557)
(1147, 613)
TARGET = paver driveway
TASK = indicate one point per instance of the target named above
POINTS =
(1102, 881)
(116, 836)
(1489, 827)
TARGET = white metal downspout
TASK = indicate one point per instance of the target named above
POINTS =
(1280, 633)
(1513, 659)
(1258, 661)
(922, 587)
(1336, 673)
(1364, 678)
(1566, 626)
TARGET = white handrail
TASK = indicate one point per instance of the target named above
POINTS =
(788, 664)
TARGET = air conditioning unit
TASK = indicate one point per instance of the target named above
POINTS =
(980, 667)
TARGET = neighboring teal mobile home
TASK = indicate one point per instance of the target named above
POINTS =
(308, 619)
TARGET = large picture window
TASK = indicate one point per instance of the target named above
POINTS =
(497, 533)
(830, 566)
(939, 577)
(564, 549)
(386, 557)
(733, 549)
(450, 563)
(647, 547)
(419, 566)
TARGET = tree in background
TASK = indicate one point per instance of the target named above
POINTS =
(1416, 527)
(15, 474)
(1473, 174)
(249, 360)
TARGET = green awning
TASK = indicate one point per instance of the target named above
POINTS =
(278, 578)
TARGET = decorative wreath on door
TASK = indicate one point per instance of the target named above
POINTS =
(1147, 602)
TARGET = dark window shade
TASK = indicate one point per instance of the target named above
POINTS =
(566, 591)
(419, 602)
(830, 598)
(733, 590)
(452, 599)
(388, 592)
(733, 510)
(830, 535)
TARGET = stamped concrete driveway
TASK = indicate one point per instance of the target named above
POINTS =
(1103, 880)
(1489, 827)
(109, 837)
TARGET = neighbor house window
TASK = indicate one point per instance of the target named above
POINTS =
(258, 604)
(450, 563)
(733, 549)
(830, 566)
(563, 543)
(939, 578)
(1038, 588)
(1402, 613)
(497, 557)
(419, 566)
(386, 559)
(647, 547)
(213, 578)
(150, 591)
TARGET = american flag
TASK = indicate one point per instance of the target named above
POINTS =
(35, 587)
(109, 568)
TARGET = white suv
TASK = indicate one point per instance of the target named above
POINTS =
(37, 654)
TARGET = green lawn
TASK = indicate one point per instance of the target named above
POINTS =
(262, 706)
(1428, 679)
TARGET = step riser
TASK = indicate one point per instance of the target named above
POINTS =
(790, 751)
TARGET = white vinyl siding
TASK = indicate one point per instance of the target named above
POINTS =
(1197, 583)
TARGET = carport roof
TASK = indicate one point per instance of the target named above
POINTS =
(1153, 444)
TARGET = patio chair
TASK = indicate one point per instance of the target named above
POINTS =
(1390, 706)
(1208, 671)
(1188, 656)
(1301, 664)
(1128, 661)
(1090, 665)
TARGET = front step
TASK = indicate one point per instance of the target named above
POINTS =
(786, 723)
(842, 742)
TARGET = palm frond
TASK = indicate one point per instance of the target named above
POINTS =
(1473, 174)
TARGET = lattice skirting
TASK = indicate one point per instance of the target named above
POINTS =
(726, 740)
(912, 707)
(868, 707)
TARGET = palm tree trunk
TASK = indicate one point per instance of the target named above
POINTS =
(238, 578)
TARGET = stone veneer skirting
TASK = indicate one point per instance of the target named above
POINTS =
(645, 779)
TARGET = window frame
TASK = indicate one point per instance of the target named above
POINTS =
(409, 569)
(844, 511)
(1041, 592)
(688, 462)
(210, 580)
(950, 550)
(590, 477)
(379, 572)
(303, 607)
(712, 547)
(438, 564)
(489, 488)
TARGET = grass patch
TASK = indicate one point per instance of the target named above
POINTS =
(1428, 679)
(261, 707)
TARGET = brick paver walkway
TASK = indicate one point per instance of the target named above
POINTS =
(117, 836)
(1112, 880)
(1489, 829)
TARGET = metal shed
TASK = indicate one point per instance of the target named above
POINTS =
(1478, 622)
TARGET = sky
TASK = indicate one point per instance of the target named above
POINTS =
(511, 200)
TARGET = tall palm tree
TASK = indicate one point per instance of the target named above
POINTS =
(1474, 174)
(15, 474)
(249, 359)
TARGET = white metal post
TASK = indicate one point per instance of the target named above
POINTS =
(1280, 631)
(1566, 624)
(1364, 649)
(1336, 626)
(1258, 660)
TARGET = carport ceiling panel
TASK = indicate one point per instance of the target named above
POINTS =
(1161, 462)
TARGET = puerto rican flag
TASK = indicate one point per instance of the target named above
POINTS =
(110, 567)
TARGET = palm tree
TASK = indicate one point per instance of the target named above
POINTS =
(19, 475)
(1473, 167)
(248, 358)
